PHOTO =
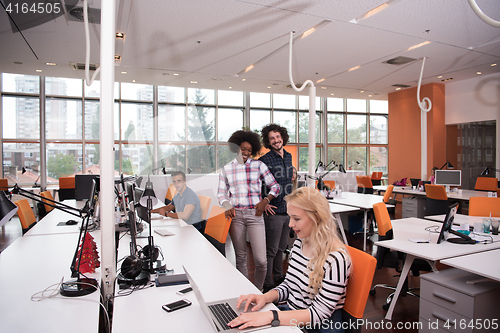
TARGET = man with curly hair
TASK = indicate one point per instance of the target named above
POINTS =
(240, 194)
(276, 219)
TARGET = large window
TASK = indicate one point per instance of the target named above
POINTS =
(190, 128)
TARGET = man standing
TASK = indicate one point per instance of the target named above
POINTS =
(186, 203)
(276, 219)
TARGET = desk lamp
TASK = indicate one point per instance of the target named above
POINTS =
(447, 165)
(357, 163)
(7, 209)
(487, 171)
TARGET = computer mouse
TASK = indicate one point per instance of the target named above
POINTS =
(71, 222)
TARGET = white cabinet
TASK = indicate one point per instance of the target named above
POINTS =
(413, 207)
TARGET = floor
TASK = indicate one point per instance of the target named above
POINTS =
(405, 314)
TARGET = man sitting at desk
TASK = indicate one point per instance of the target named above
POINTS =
(186, 203)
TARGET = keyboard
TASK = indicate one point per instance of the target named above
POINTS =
(223, 313)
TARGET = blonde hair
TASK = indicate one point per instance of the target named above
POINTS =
(324, 237)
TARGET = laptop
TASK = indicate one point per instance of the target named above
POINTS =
(220, 313)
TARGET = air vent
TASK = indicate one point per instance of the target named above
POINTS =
(76, 14)
(399, 61)
(401, 85)
(78, 66)
(298, 85)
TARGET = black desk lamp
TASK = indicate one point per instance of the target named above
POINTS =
(80, 286)
(447, 165)
(487, 171)
(148, 200)
(356, 163)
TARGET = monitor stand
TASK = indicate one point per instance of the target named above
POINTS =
(463, 239)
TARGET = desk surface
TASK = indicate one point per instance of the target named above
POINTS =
(360, 200)
(484, 264)
(459, 219)
(464, 196)
(30, 265)
(336, 208)
(216, 277)
(49, 224)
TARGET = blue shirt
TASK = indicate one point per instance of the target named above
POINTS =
(188, 198)
(282, 170)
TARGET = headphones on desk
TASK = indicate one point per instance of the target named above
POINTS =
(132, 267)
(147, 254)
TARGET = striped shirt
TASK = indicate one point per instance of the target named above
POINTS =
(240, 184)
(330, 297)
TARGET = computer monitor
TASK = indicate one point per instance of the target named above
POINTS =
(448, 177)
(142, 212)
(446, 228)
(414, 181)
(83, 184)
(93, 195)
(130, 196)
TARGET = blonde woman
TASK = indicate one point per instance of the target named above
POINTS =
(317, 275)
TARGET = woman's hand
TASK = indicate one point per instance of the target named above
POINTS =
(260, 207)
(252, 319)
(270, 210)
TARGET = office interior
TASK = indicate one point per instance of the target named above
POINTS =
(184, 75)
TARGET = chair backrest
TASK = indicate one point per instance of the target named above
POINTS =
(436, 192)
(360, 281)
(205, 205)
(382, 218)
(388, 193)
(217, 225)
(171, 192)
(66, 182)
(486, 184)
(66, 188)
(364, 184)
(26, 215)
(4, 184)
(46, 194)
(483, 206)
(329, 183)
(376, 175)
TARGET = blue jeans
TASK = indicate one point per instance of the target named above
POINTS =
(334, 322)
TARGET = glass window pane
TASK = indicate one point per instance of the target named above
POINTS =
(137, 122)
(92, 158)
(136, 92)
(225, 155)
(259, 119)
(20, 83)
(260, 100)
(379, 106)
(21, 118)
(284, 101)
(136, 159)
(304, 127)
(92, 120)
(201, 158)
(230, 98)
(94, 90)
(286, 119)
(17, 156)
(174, 157)
(356, 105)
(63, 160)
(335, 128)
(356, 128)
(171, 123)
(63, 119)
(304, 158)
(172, 94)
(378, 159)
(201, 123)
(378, 129)
(304, 103)
(229, 120)
(63, 86)
(334, 104)
(336, 154)
(201, 96)
(354, 155)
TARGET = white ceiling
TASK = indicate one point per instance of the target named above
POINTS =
(211, 41)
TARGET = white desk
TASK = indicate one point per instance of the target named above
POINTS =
(336, 209)
(214, 274)
(414, 228)
(464, 196)
(361, 201)
(483, 263)
(343, 181)
(31, 264)
(49, 224)
(459, 219)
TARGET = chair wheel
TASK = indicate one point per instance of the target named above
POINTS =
(386, 306)
(373, 292)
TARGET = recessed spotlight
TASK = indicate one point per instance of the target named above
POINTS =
(39, 70)
(440, 76)
(353, 68)
(118, 57)
(124, 72)
(243, 79)
(362, 91)
(323, 87)
(230, 87)
(133, 80)
(193, 82)
(493, 65)
(50, 63)
(176, 74)
(268, 87)
(369, 95)
(398, 88)
(332, 94)
(320, 80)
(120, 35)
(479, 73)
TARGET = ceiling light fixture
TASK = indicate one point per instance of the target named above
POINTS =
(133, 80)
(398, 88)
(440, 76)
(323, 87)
(418, 45)
(193, 82)
(479, 73)
(369, 95)
(320, 80)
(332, 94)
(268, 87)
(176, 74)
(230, 87)
(117, 57)
(243, 79)
(362, 91)
(124, 72)
(493, 65)
(353, 68)
(120, 35)
(374, 11)
(50, 63)
(39, 70)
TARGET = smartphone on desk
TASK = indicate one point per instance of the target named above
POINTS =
(176, 305)
(184, 291)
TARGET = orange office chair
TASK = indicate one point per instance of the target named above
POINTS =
(45, 209)
(377, 178)
(486, 184)
(358, 286)
(329, 183)
(4, 185)
(217, 228)
(66, 188)
(437, 200)
(171, 192)
(26, 215)
(484, 206)
(205, 205)
(390, 201)
(364, 184)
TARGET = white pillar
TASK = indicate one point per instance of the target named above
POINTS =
(423, 140)
(312, 134)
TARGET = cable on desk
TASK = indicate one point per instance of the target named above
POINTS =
(488, 240)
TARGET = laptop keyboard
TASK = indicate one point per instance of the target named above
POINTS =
(223, 313)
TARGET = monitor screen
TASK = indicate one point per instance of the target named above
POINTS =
(83, 184)
(448, 177)
(93, 195)
(448, 222)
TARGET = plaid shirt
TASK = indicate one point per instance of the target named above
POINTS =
(282, 170)
(240, 184)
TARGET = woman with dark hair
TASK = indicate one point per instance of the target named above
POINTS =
(240, 194)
